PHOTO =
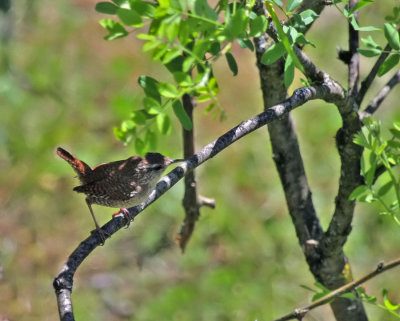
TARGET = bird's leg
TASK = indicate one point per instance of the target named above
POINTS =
(103, 235)
(126, 214)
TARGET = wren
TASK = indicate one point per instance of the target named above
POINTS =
(122, 184)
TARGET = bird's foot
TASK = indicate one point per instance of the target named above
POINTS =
(103, 235)
(126, 214)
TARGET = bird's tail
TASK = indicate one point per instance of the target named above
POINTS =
(81, 168)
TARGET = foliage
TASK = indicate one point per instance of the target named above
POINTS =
(380, 156)
(188, 38)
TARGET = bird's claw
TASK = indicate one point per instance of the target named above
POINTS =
(103, 235)
(126, 214)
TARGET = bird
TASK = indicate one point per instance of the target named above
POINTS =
(124, 183)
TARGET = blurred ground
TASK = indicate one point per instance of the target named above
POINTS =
(62, 84)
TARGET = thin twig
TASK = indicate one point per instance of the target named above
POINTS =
(191, 200)
(63, 283)
(354, 62)
(366, 83)
(383, 93)
(301, 312)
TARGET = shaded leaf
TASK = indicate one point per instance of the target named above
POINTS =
(231, 63)
(106, 7)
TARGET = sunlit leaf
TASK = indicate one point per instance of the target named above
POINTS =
(389, 63)
(392, 36)
(181, 114)
(129, 17)
(273, 53)
(357, 192)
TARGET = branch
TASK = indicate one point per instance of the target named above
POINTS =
(299, 314)
(191, 201)
(366, 83)
(287, 156)
(63, 283)
(384, 92)
(354, 61)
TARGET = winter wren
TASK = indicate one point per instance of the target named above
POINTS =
(123, 183)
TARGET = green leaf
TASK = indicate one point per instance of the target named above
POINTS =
(289, 71)
(188, 63)
(129, 17)
(127, 125)
(163, 123)
(357, 192)
(231, 63)
(385, 188)
(122, 3)
(369, 52)
(106, 7)
(150, 87)
(395, 133)
(308, 16)
(152, 105)
(360, 4)
(361, 140)
(168, 90)
(258, 26)
(396, 125)
(200, 48)
(273, 53)
(245, 43)
(292, 5)
(139, 117)
(151, 139)
(183, 78)
(144, 9)
(119, 134)
(389, 63)
(389, 305)
(181, 114)
(392, 36)
(369, 42)
(170, 55)
(381, 148)
(116, 30)
(355, 25)
(140, 146)
(238, 23)
(370, 175)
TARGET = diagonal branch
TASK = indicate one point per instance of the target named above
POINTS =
(366, 83)
(63, 283)
(298, 314)
(383, 93)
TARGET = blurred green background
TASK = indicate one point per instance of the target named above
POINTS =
(61, 84)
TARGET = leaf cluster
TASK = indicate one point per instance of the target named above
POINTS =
(382, 154)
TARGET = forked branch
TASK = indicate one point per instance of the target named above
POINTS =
(63, 283)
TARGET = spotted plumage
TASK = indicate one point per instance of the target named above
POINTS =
(123, 183)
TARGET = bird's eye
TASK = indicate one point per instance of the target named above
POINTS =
(157, 167)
